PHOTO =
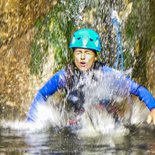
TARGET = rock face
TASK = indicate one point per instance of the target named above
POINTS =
(150, 71)
(142, 23)
(15, 80)
(17, 18)
(18, 85)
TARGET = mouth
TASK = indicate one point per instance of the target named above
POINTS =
(82, 64)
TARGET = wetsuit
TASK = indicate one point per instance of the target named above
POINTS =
(59, 81)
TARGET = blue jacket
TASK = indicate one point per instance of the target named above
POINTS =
(58, 81)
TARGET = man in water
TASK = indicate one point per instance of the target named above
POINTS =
(85, 44)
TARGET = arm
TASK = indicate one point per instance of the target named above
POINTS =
(137, 90)
(134, 88)
(56, 82)
(143, 94)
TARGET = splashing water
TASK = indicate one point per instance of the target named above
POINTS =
(108, 87)
(101, 21)
(94, 121)
(31, 138)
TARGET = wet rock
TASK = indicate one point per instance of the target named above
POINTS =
(17, 16)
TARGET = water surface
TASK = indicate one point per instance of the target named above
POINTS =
(139, 141)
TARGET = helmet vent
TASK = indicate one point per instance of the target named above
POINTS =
(91, 39)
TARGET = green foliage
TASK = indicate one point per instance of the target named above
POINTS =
(130, 28)
(40, 44)
(55, 29)
(128, 60)
(140, 27)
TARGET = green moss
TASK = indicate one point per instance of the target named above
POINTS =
(39, 46)
(55, 29)
(140, 26)
(128, 60)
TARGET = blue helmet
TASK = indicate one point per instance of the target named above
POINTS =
(86, 38)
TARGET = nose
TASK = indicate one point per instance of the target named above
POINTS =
(83, 55)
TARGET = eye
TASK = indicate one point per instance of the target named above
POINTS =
(78, 38)
(91, 39)
(78, 52)
(88, 52)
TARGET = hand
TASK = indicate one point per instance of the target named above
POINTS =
(151, 117)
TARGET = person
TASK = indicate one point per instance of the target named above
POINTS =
(85, 44)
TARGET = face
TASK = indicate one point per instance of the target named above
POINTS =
(84, 58)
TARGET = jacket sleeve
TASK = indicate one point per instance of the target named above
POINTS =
(134, 88)
(56, 82)
(143, 94)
